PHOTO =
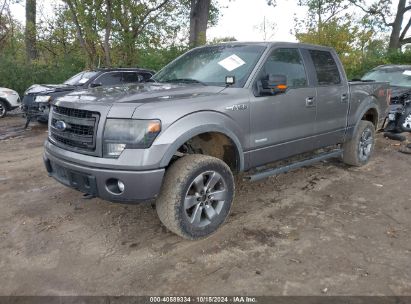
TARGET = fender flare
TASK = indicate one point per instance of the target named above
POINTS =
(211, 126)
(371, 106)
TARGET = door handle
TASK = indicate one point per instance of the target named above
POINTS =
(344, 98)
(309, 102)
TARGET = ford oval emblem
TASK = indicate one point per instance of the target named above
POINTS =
(60, 125)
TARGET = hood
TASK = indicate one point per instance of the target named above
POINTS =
(48, 88)
(140, 93)
(400, 94)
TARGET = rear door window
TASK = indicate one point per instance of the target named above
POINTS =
(111, 78)
(325, 67)
(131, 77)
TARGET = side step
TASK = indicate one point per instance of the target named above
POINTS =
(296, 165)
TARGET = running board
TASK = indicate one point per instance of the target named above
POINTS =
(296, 165)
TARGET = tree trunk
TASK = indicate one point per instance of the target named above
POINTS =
(30, 32)
(80, 37)
(198, 22)
(396, 26)
(107, 57)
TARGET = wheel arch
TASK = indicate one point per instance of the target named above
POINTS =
(369, 111)
(8, 105)
(178, 134)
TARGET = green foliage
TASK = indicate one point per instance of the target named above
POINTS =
(358, 42)
(136, 40)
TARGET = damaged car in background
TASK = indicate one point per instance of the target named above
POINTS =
(37, 98)
(399, 77)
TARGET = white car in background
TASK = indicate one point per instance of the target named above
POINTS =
(9, 100)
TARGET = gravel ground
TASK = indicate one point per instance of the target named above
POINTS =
(325, 229)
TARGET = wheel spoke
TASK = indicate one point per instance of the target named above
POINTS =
(199, 183)
(190, 201)
(213, 180)
(220, 195)
(196, 217)
(368, 142)
(210, 212)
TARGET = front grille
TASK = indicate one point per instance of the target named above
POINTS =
(77, 129)
(73, 112)
(74, 128)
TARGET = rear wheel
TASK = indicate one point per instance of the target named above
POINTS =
(3, 109)
(196, 197)
(358, 150)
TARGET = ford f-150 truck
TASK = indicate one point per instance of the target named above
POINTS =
(213, 112)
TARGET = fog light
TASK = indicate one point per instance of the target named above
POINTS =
(120, 185)
(115, 186)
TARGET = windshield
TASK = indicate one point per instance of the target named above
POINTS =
(80, 78)
(210, 65)
(396, 77)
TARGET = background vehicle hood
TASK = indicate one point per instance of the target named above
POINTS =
(44, 89)
(140, 93)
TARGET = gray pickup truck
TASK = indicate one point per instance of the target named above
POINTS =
(215, 111)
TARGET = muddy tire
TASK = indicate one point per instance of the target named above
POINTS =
(358, 150)
(3, 108)
(196, 196)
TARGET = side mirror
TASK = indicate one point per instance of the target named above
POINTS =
(273, 84)
(95, 84)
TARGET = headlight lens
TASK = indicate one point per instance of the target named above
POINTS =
(120, 134)
(42, 98)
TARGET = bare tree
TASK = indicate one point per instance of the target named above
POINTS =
(30, 31)
(380, 9)
(199, 13)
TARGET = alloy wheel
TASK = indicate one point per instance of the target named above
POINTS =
(205, 198)
(365, 145)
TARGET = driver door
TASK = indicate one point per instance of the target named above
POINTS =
(283, 124)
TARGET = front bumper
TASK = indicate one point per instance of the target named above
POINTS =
(35, 110)
(138, 185)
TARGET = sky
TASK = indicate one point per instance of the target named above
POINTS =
(243, 18)
(239, 18)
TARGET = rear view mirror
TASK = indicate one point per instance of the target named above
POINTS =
(273, 84)
(95, 84)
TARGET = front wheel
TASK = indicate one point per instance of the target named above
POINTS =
(358, 150)
(3, 109)
(196, 196)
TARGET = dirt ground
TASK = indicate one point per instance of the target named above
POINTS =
(326, 229)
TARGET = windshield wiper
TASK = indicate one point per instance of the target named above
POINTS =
(186, 80)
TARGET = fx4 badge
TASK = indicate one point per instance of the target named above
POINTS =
(239, 107)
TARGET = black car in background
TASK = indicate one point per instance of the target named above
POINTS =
(35, 104)
(399, 77)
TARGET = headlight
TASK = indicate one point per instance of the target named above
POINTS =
(42, 98)
(120, 134)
